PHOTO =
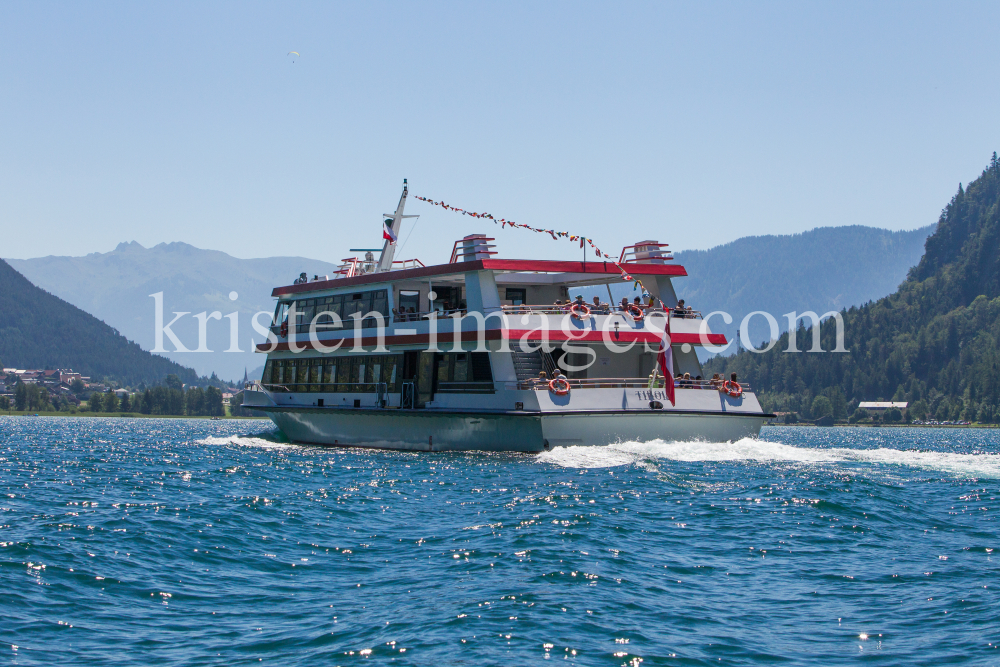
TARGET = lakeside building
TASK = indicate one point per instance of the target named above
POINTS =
(879, 407)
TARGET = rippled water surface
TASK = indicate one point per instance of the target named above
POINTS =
(187, 542)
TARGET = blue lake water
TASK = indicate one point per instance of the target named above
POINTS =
(189, 542)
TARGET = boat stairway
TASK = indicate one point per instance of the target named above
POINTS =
(527, 365)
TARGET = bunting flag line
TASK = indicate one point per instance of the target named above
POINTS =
(551, 232)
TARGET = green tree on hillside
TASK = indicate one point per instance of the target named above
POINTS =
(111, 402)
(95, 402)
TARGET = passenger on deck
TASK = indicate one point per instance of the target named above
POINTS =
(699, 382)
(716, 380)
(678, 379)
(411, 314)
(679, 310)
(623, 306)
(686, 381)
(543, 379)
(598, 308)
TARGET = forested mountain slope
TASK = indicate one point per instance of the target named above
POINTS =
(934, 343)
(823, 269)
(39, 330)
(115, 286)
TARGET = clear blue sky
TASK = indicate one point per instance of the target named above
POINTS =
(692, 123)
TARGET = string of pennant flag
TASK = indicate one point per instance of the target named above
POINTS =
(556, 235)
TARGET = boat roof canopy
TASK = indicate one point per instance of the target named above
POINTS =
(506, 271)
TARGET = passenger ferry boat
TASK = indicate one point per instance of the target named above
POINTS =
(398, 355)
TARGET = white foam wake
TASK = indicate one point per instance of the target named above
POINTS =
(244, 441)
(749, 449)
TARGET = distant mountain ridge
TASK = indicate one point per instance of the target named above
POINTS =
(824, 269)
(40, 330)
(115, 287)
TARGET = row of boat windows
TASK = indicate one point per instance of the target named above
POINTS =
(344, 305)
(361, 373)
(355, 373)
(373, 301)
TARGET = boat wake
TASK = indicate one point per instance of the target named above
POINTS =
(763, 451)
(267, 440)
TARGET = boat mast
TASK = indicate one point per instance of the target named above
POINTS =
(395, 221)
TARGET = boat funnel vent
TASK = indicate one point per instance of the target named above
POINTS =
(472, 248)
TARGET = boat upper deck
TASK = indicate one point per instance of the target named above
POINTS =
(540, 271)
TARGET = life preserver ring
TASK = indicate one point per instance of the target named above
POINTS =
(284, 329)
(636, 312)
(732, 388)
(580, 311)
(555, 382)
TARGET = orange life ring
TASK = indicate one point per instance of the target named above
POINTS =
(636, 312)
(576, 309)
(559, 392)
(733, 388)
(284, 329)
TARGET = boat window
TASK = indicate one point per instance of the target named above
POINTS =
(449, 297)
(481, 370)
(315, 374)
(516, 296)
(460, 372)
(352, 373)
(407, 300)
(343, 375)
(344, 305)
(280, 312)
(380, 302)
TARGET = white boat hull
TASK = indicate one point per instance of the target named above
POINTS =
(427, 430)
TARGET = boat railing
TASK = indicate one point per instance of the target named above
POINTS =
(621, 383)
(381, 389)
(408, 395)
(648, 311)
(648, 252)
(426, 314)
(401, 264)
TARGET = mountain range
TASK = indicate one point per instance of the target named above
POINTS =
(823, 269)
(39, 330)
(116, 287)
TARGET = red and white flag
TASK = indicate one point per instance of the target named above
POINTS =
(387, 232)
(665, 357)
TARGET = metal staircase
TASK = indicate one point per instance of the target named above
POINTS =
(527, 365)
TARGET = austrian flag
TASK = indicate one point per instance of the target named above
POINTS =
(387, 232)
